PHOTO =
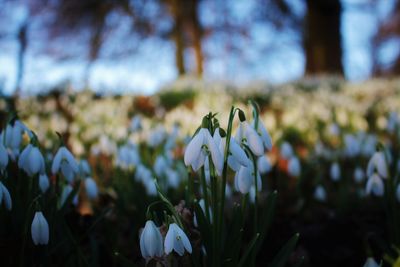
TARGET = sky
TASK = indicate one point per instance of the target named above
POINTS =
(152, 65)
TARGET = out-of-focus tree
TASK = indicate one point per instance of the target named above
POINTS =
(388, 30)
(322, 37)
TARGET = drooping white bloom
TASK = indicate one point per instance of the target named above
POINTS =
(359, 175)
(31, 160)
(320, 193)
(151, 242)
(84, 167)
(12, 137)
(335, 172)
(244, 179)
(3, 157)
(176, 240)
(5, 196)
(263, 164)
(265, 136)
(65, 161)
(286, 150)
(173, 178)
(237, 157)
(378, 163)
(375, 185)
(247, 134)
(160, 165)
(334, 129)
(150, 186)
(40, 229)
(198, 148)
(91, 188)
(217, 137)
(352, 145)
(371, 263)
(294, 167)
(44, 183)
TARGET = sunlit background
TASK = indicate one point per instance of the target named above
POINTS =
(139, 46)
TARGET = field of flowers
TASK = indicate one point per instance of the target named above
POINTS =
(203, 174)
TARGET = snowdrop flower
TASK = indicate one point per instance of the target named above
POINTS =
(40, 229)
(263, 164)
(320, 193)
(84, 167)
(375, 185)
(150, 186)
(91, 188)
(5, 196)
(371, 263)
(173, 178)
(217, 137)
(203, 207)
(335, 172)
(198, 148)
(160, 165)
(151, 241)
(378, 163)
(359, 175)
(65, 161)
(286, 150)
(44, 183)
(352, 145)
(294, 167)
(237, 157)
(31, 160)
(244, 179)
(247, 134)
(12, 137)
(176, 240)
(3, 157)
(334, 129)
(128, 156)
(136, 123)
(263, 133)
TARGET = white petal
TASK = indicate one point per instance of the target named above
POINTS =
(56, 161)
(254, 140)
(194, 147)
(44, 183)
(238, 153)
(216, 156)
(6, 197)
(169, 240)
(35, 229)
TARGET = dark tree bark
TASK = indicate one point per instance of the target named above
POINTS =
(23, 43)
(177, 13)
(322, 37)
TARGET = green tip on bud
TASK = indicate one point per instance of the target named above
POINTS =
(242, 117)
(222, 132)
(216, 123)
(205, 123)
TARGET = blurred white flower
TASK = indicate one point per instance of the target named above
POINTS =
(5, 196)
(136, 123)
(3, 157)
(12, 137)
(67, 190)
(320, 193)
(31, 160)
(263, 164)
(286, 150)
(176, 240)
(128, 156)
(40, 229)
(359, 175)
(392, 122)
(91, 188)
(44, 183)
(65, 161)
(375, 186)
(335, 172)
(294, 167)
(151, 241)
(198, 148)
(371, 263)
(378, 163)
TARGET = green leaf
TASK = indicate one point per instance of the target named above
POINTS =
(204, 227)
(249, 250)
(285, 252)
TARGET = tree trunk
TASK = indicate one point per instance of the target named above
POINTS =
(23, 43)
(196, 35)
(322, 37)
(178, 35)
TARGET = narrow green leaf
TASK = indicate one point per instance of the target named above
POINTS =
(248, 251)
(285, 252)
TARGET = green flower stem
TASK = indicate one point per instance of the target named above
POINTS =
(205, 194)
